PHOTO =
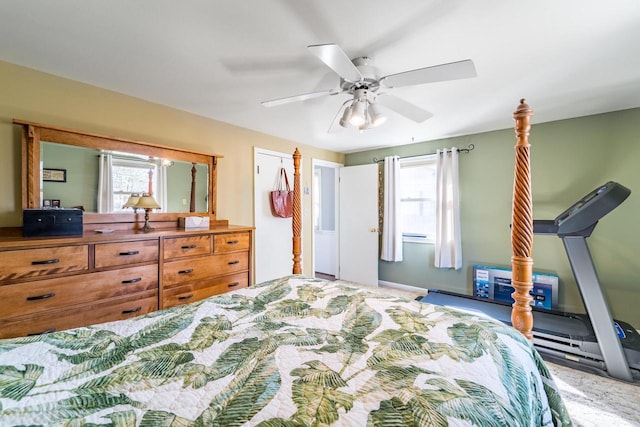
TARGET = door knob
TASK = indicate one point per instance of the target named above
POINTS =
(374, 230)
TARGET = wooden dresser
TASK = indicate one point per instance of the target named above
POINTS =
(196, 267)
(52, 284)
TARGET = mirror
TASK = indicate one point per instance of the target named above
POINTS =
(81, 177)
(69, 168)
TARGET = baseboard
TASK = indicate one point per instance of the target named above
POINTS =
(401, 286)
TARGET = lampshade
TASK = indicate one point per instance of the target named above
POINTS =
(377, 118)
(366, 126)
(131, 201)
(147, 202)
(346, 116)
(358, 111)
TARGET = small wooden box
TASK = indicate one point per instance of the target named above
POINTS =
(51, 222)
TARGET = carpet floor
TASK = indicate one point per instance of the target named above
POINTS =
(595, 401)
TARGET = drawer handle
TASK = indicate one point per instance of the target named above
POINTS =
(127, 282)
(233, 262)
(186, 271)
(48, 331)
(189, 247)
(135, 310)
(232, 242)
(233, 285)
(185, 297)
(129, 253)
(46, 261)
(39, 297)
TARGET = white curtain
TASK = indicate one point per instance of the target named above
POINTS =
(105, 184)
(448, 249)
(161, 193)
(391, 227)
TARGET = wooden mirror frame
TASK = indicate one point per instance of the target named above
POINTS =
(34, 133)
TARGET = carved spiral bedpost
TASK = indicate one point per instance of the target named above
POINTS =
(297, 214)
(522, 226)
(192, 199)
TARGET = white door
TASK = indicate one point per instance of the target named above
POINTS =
(273, 235)
(359, 224)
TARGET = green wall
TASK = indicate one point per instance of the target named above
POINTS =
(179, 187)
(568, 159)
(82, 177)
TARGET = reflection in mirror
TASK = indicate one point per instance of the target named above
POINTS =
(102, 181)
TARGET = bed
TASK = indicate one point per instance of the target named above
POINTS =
(295, 351)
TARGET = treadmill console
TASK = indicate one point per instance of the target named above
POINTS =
(587, 211)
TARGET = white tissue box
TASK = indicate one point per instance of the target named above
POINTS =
(194, 222)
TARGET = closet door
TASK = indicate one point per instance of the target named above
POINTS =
(273, 235)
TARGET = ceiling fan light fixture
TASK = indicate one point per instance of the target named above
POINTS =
(376, 117)
(358, 113)
(346, 117)
(367, 125)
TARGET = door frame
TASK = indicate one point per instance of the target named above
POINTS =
(336, 167)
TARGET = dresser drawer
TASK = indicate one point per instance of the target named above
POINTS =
(73, 317)
(204, 289)
(124, 253)
(180, 247)
(231, 242)
(34, 297)
(178, 272)
(26, 263)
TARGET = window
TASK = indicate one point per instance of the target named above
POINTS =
(324, 182)
(131, 176)
(418, 198)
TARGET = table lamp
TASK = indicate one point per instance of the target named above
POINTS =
(131, 202)
(146, 202)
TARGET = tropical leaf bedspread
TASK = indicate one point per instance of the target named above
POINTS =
(296, 351)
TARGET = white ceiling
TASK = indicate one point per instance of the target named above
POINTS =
(221, 58)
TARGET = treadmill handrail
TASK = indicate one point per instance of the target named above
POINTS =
(587, 211)
(545, 226)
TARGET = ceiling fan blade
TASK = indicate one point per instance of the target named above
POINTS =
(303, 97)
(403, 107)
(335, 58)
(451, 71)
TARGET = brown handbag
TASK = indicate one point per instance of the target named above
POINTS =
(282, 197)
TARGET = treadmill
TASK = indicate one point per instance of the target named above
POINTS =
(593, 341)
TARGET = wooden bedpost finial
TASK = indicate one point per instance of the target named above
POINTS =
(522, 116)
(297, 214)
(522, 225)
(523, 105)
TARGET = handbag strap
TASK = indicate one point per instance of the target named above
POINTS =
(285, 187)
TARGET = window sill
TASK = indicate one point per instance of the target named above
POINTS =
(422, 240)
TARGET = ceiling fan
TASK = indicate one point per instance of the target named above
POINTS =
(360, 79)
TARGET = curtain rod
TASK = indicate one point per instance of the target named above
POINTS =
(153, 160)
(469, 148)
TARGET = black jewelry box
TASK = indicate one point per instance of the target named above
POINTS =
(51, 222)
